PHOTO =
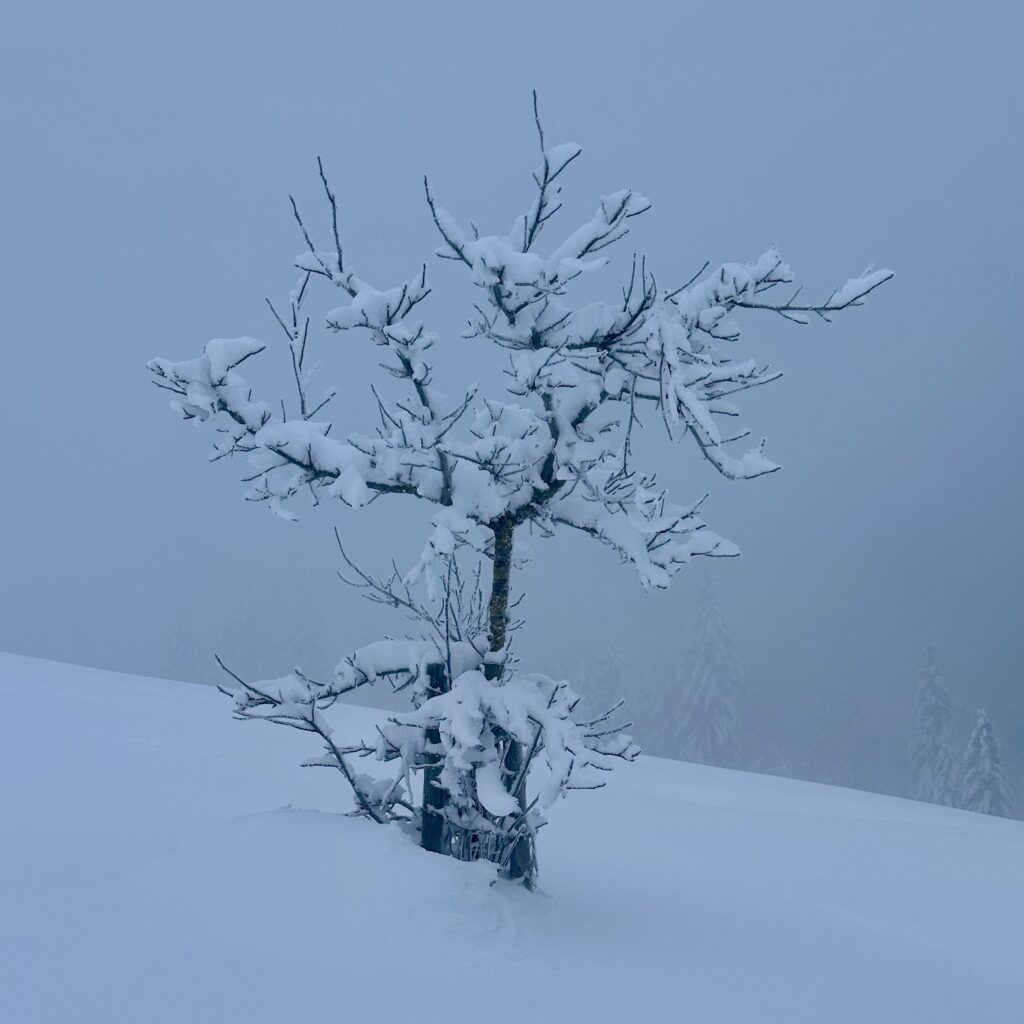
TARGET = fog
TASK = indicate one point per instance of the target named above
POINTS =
(147, 155)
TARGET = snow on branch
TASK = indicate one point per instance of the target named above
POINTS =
(471, 719)
(580, 378)
(476, 715)
(586, 373)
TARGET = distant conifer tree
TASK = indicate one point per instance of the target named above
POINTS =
(984, 787)
(709, 723)
(936, 777)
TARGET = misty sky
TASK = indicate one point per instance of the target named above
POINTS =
(146, 156)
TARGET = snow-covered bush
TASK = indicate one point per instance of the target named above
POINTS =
(553, 452)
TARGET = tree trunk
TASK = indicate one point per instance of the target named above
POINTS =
(522, 865)
(434, 798)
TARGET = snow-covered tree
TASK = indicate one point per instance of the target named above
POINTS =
(709, 725)
(553, 453)
(983, 786)
(936, 775)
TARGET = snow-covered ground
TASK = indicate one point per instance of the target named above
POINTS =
(161, 862)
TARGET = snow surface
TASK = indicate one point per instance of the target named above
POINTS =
(152, 868)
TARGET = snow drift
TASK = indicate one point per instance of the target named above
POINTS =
(155, 866)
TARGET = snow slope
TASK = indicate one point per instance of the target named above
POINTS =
(152, 868)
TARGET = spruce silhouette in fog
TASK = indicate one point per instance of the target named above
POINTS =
(984, 786)
(935, 769)
(710, 722)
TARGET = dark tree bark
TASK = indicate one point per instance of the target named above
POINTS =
(522, 865)
(434, 797)
(500, 582)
